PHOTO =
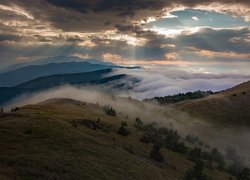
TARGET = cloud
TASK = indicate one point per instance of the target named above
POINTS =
(195, 18)
(114, 27)
(171, 79)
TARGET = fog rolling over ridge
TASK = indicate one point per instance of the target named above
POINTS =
(221, 137)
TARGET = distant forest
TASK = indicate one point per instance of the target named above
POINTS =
(180, 97)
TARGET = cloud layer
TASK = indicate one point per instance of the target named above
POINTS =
(122, 32)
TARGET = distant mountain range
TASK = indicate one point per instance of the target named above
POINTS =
(42, 83)
(19, 79)
(54, 59)
(94, 77)
(27, 73)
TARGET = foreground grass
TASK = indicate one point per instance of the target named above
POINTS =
(40, 142)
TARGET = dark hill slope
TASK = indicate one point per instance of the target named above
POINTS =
(43, 142)
(230, 107)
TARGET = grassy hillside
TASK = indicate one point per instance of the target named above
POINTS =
(229, 107)
(48, 141)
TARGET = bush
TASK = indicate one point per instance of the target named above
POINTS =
(218, 157)
(244, 175)
(195, 155)
(144, 139)
(138, 124)
(236, 168)
(109, 110)
(231, 154)
(191, 138)
(123, 130)
(171, 138)
(196, 172)
(156, 154)
(151, 127)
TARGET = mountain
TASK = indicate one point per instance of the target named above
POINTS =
(63, 139)
(95, 77)
(27, 73)
(43, 83)
(54, 59)
(228, 107)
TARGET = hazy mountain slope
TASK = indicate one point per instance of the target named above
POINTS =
(42, 142)
(7, 93)
(88, 78)
(76, 78)
(53, 59)
(230, 107)
(27, 73)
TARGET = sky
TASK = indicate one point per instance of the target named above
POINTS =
(203, 37)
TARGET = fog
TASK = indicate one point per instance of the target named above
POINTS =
(169, 80)
(219, 137)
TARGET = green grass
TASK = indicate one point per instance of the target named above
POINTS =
(40, 142)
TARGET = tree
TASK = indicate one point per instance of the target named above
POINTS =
(109, 110)
(123, 130)
(219, 158)
(156, 154)
(138, 123)
(195, 154)
(144, 139)
(196, 172)
(244, 175)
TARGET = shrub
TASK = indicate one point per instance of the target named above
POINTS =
(156, 154)
(123, 130)
(236, 168)
(244, 175)
(231, 154)
(109, 110)
(138, 123)
(196, 172)
(171, 138)
(144, 139)
(218, 157)
(151, 127)
(195, 155)
(191, 138)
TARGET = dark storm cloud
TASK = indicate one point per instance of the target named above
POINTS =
(96, 15)
(9, 37)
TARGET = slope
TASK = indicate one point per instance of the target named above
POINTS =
(228, 107)
(39, 84)
(43, 142)
(97, 77)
